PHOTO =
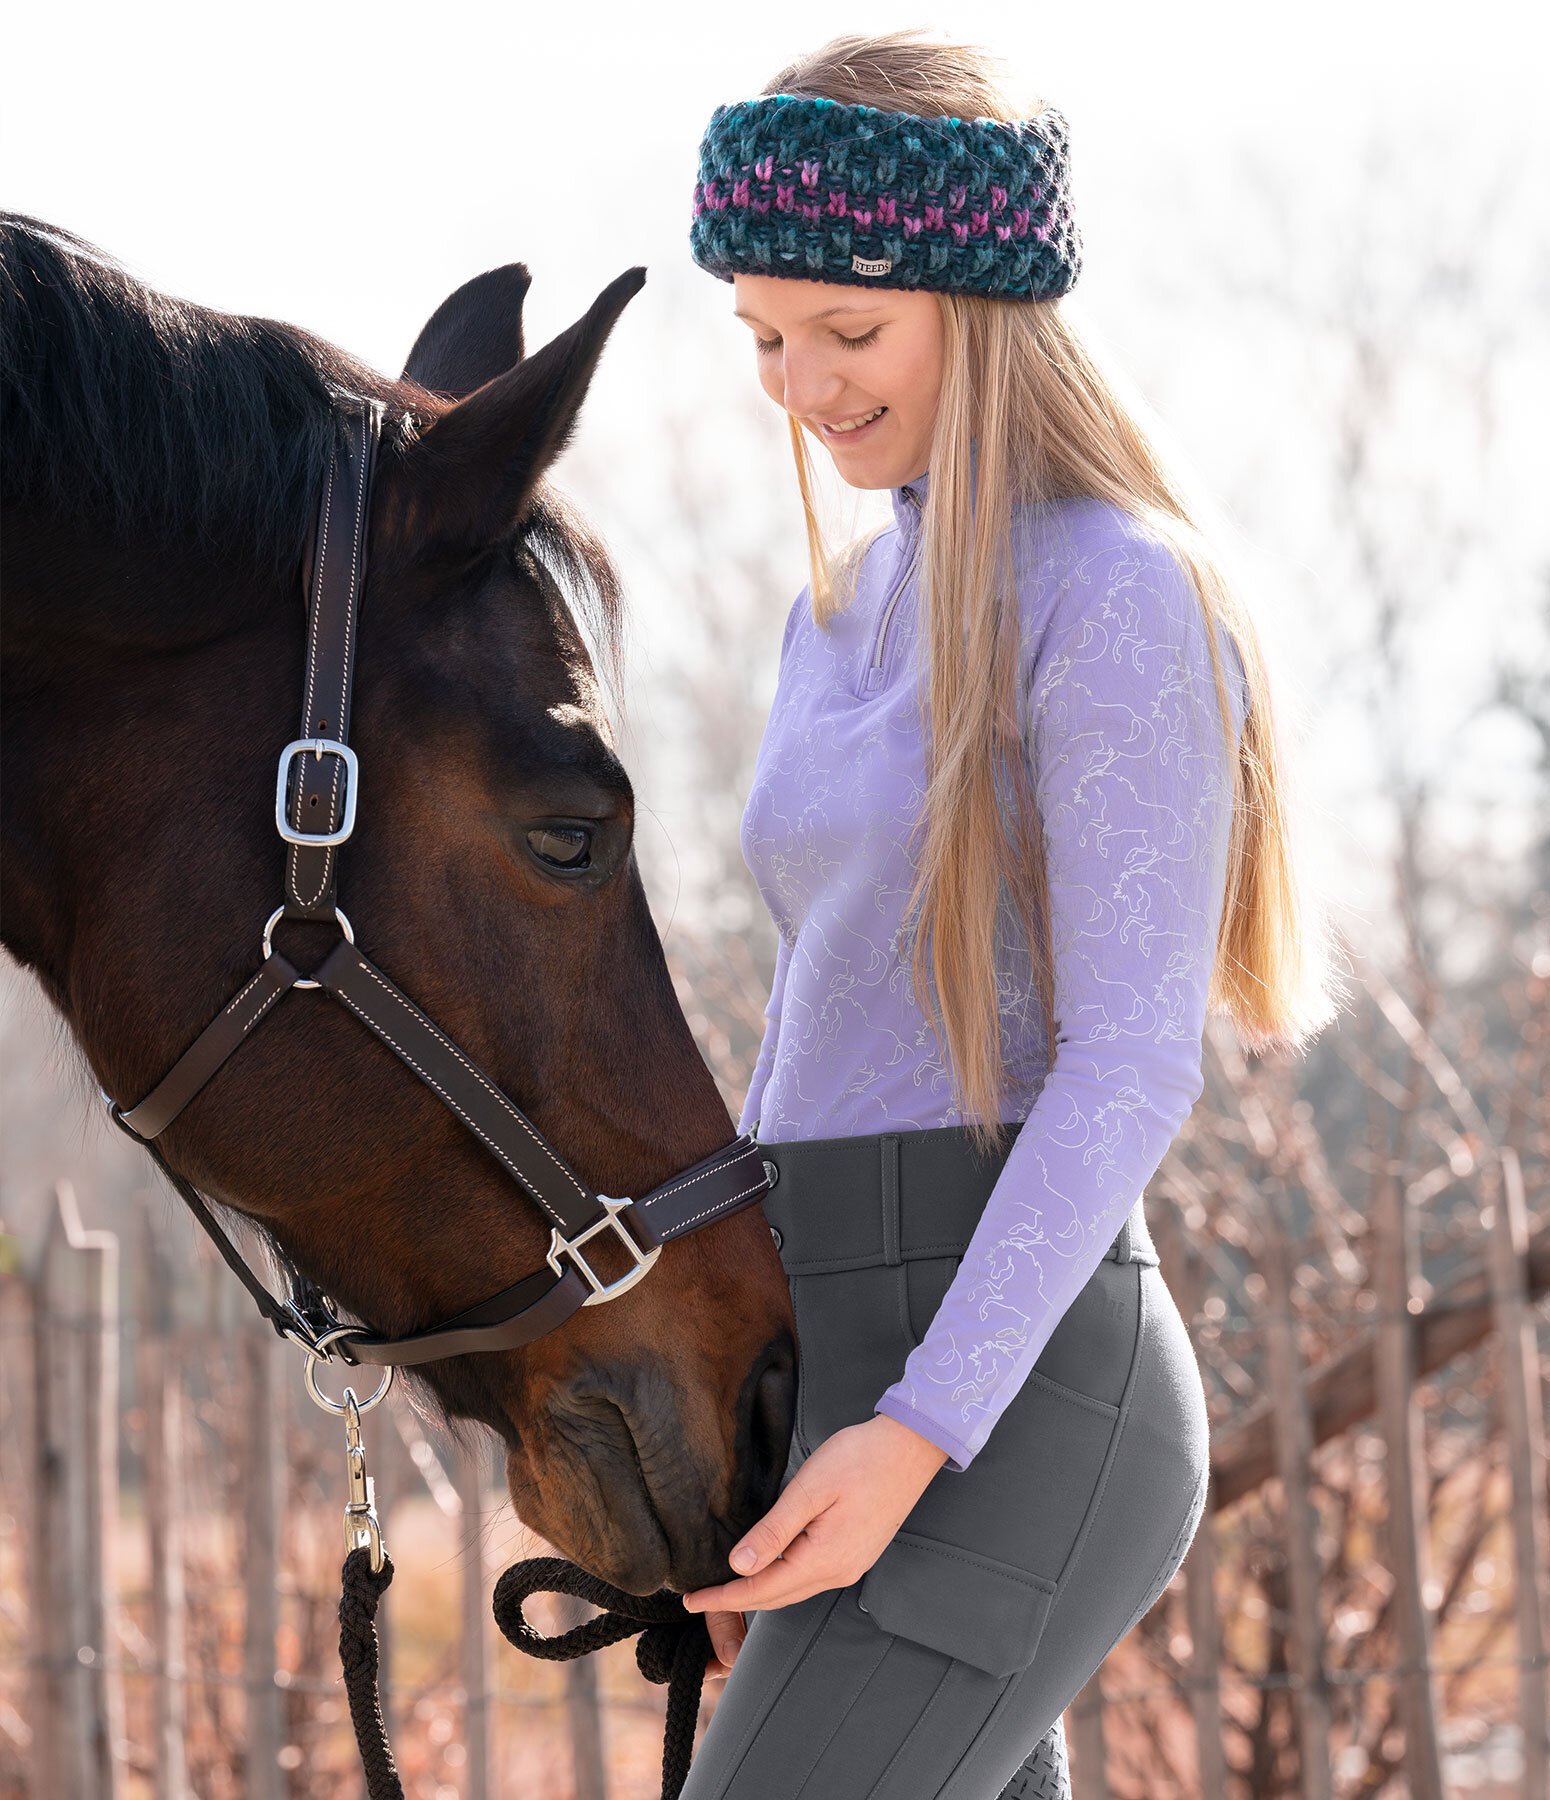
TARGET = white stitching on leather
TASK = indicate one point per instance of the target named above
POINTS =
(328, 856)
(704, 1175)
(683, 1225)
(265, 1007)
(350, 605)
(478, 1074)
(431, 1082)
(350, 600)
(313, 637)
(350, 609)
(328, 850)
(344, 669)
(245, 992)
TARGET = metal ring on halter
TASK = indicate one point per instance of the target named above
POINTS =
(340, 1407)
(302, 981)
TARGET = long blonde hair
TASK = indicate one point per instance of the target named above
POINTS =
(1019, 379)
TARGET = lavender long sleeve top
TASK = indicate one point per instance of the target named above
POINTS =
(1121, 722)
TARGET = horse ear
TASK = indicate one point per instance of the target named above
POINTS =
(473, 336)
(469, 476)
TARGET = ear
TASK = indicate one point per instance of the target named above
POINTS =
(473, 336)
(467, 480)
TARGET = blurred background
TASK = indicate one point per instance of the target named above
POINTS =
(1317, 249)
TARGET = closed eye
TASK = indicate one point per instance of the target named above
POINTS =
(768, 346)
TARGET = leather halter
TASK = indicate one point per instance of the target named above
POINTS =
(315, 802)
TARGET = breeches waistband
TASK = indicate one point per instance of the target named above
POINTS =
(897, 1197)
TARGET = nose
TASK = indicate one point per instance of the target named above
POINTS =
(766, 1414)
(807, 387)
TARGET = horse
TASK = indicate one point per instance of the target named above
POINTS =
(162, 470)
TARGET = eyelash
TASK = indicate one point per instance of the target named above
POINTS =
(768, 346)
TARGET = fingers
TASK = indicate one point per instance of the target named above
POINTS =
(784, 1592)
(727, 1632)
(776, 1530)
(762, 1552)
(798, 1575)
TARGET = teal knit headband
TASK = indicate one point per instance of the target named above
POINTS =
(821, 191)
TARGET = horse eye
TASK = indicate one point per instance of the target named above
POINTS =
(561, 846)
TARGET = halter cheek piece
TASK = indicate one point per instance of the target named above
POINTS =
(315, 801)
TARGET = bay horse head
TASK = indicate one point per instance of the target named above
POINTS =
(162, 471)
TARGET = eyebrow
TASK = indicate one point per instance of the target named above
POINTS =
(828, 313)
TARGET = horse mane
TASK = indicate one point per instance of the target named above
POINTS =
(159, 417)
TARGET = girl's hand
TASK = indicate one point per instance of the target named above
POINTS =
(826, 1530)
(727, 1631)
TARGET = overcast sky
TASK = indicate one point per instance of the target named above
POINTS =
(346, 165)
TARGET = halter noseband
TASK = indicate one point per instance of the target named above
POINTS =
(315, 801)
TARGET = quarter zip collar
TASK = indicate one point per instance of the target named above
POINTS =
(909, 504)
(909, 501)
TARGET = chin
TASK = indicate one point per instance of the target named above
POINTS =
(866, 474)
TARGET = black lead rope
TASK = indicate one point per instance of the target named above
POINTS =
(673, 1650)
(361, 1591)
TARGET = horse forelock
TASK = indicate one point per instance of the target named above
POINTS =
(563, 550)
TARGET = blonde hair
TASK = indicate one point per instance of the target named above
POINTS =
(1019, 379)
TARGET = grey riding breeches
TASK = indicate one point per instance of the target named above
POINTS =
(943, 1673)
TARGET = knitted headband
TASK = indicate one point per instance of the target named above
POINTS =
(821, 191)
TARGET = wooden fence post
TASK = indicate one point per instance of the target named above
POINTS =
(1088, 1754)
(478, 1735)
(262, 1488)
(18, 1457)
(1294, 1459)
(583, 1713)
(1184, 1273)
(162, 1391)
(1398, 1414)
(78, 1707)
(1522, 1418)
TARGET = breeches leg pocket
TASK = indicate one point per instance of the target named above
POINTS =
(978, 1564)
(987, 1614)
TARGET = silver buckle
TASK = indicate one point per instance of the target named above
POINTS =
(320, 747)
(602, 1290)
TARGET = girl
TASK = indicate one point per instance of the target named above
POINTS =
(1017, 815)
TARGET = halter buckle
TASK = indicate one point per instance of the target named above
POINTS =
(320, 747)
(602, 1290)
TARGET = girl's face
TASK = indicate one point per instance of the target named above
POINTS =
(860, 371)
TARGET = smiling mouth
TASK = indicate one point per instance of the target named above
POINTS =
(847, 427)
